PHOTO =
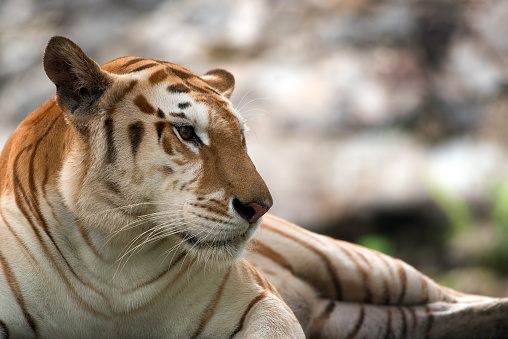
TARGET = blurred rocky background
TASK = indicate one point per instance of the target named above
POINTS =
(379, 122)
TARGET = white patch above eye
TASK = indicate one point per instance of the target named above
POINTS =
(199, 113)
(196, 114)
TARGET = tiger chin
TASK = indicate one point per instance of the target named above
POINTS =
(127, 202)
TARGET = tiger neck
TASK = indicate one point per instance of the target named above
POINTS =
(33, 155)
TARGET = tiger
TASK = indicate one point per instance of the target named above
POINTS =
(129, 208)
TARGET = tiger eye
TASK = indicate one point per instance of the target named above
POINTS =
(186, 132)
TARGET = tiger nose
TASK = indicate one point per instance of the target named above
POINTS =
(251, 211)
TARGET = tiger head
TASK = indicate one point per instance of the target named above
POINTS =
(158, 150)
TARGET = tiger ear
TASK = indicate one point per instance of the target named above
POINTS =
(221, 80)
(79, 80)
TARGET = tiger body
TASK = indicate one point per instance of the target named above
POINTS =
(129, 209)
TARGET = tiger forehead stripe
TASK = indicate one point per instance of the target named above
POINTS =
(136, 131)
(131, 62)
(111, 151)
(140, 68)
(181, 73)
(178, 115)
(178, 88)
(159, 127)
(143, 105)
(160, 113)
(158, 76)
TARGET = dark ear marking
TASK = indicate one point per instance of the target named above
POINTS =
(221, 80)
(79, 80)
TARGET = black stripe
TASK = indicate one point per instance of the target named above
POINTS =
(160, 113)
(178, 88)
(329, 308)
(132, 62)
(112, 186)
(184, 105)
(359, 323)
(206, 90)
(16, 292)
(210, 308)
(401, 272)
(182, 74)
(404, 323)
(253, 302)
(388, 333)
(430, 320)
(324, 256)
(110, 152)
(136, 131)
(159, 126)
(4, 330)
(140, 68)
(168, 169)
(178, 115)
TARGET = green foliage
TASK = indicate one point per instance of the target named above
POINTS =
(500, 207)
(497, 258)
(454, 207)
(461, 219)
(377, 242)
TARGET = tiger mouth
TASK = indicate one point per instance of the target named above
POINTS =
(200, 243)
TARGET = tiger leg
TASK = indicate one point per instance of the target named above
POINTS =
(15, 322)
(486, 318)
(466, 317)
(340, 270)
(326, 282)
(269, 318)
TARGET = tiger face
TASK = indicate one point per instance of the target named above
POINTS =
(165, 152)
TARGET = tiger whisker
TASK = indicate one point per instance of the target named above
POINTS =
(130, 206)
(253, 88)
(144, 219)
(199, 240)
(251, 101)
(156, 233)
(172, 225)
(123, 263)
(254, 110)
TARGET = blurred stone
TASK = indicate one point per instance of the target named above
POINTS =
(352, 104)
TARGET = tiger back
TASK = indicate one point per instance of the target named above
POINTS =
(127, 201)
